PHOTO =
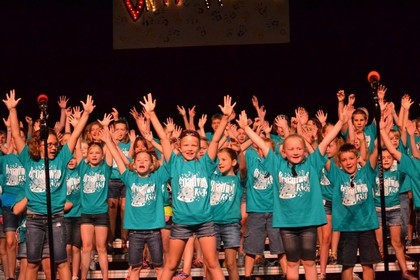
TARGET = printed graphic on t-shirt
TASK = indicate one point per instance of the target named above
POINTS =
(37, 177)
(291, 187)
(15, 174)
(73, 184)
(191, 187)
(391, 186)
(143, 194)
(262, 179)
(92, 183)
(354, 195)
(221, 192)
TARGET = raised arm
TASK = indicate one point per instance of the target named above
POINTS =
(11, 102)
(62, 103)
(149, 105)
(227, 110)
(106, 137)
(333, 132)
(78, 129)
(243, 123)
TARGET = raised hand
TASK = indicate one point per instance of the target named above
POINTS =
(149, 103)
(88, 105)
(242, 120)
(227, 107)
(62, 102)
(181, 110)
(11, 101)
(107, 119)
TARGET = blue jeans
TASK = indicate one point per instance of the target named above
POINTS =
(37, 237)
(137, 239)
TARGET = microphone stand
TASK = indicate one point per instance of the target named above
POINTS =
(375, 85)
(44, 137)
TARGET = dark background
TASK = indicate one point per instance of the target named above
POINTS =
(65, 48)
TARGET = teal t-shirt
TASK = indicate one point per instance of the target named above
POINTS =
(326, 187)
(12, 179)
(35, 181)
(259, 185)
(225, 200)
(144, 199)
(73, 193)
(353, 208)
(125, 148)
(411, 167)
(94, 187)
(297, 200)
(370, 135)
(190, 189)
(392, 182)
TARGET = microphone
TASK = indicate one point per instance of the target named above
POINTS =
(373, 78)
(42, 101)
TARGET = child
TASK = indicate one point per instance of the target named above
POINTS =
(226, 192)
(189, 181)
(32, 157)
(392, 182)
(116, 193)
(354, 213)
(95, 172)
(296, 182)
(72, 217)
(145, 198)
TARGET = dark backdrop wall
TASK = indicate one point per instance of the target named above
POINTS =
(65, 48)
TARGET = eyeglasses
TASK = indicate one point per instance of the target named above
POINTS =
(51, 145)
(352, 181)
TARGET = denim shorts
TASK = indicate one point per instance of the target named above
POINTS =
(116, 189)
(95, 219)
(2, 233)
(137, 239)
(328, 207)
(393, 217)
(299, 243)
(405, 213)
(37, 237)
(186, 231)
(228, 234)
(73, 231)
(365, 241)
(258, 226)
(22, 252)
(10, 220)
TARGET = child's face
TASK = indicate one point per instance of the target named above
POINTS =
(203, 148)
(189, 147)
(395, 139)
(387, 159)
(120, 130)
(348, 161)
(294, 150)
(143, 163)
(52, 143)
(215, 124)
(359, 122)
(95, 155)
(94, 131)
(140, 147)
(332, 149)
(226, 163)
(241, 136)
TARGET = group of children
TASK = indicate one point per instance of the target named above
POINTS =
(300, 181)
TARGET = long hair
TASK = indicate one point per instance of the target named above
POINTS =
(35, 142)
